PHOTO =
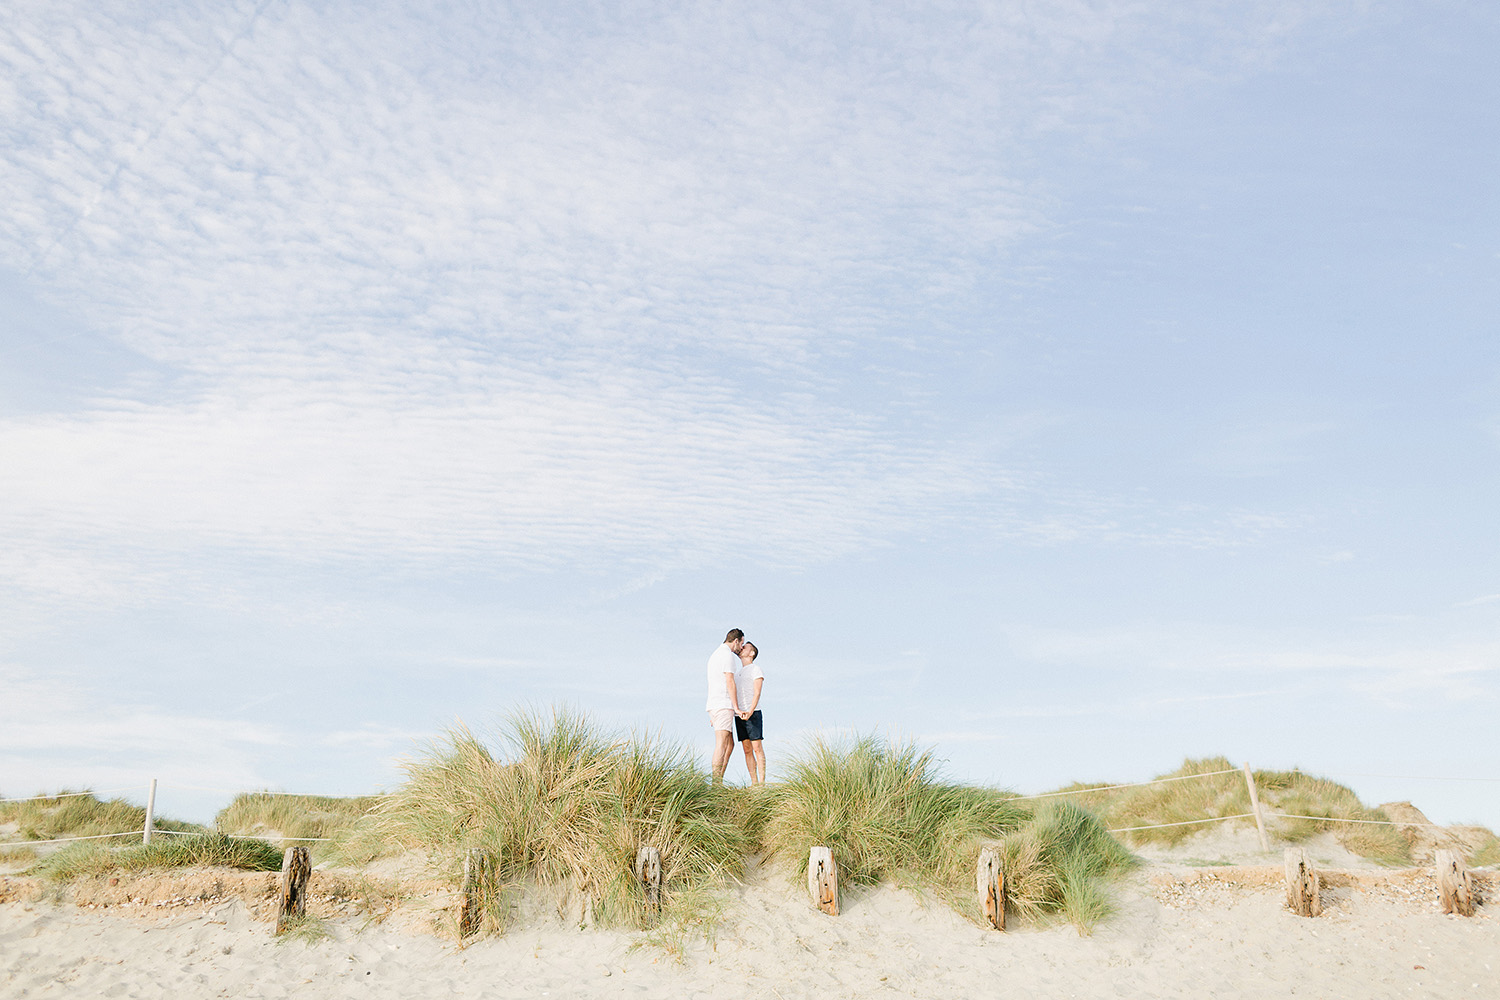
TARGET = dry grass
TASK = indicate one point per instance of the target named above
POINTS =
(1487, 854)
(886, 814)
(212, 850)
(293, 818)
(73, 815)
(1226, 795)
(563, 804)
(13, 853)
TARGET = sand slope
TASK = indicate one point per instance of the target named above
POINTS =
(1220, 931)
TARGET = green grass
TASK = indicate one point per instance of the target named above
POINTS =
(886, 813)
(308, 929)
(1488, 853)
(202, 850)
(1226, 795)
(561, 802)
(293, 818)
(70, 815)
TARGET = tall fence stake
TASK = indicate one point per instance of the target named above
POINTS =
(823, 880)
(476, 864)
(1301, 883)
(989, 879)
(1260, 824)
(648, 873)
(296, 867)
(1455, 888)
(150, 814)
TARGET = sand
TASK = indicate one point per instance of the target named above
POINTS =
(1215, 930)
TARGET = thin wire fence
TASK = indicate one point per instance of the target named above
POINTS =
(1186, 822)
(1128, 784)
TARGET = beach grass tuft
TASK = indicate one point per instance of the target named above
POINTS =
(1487, 854)
(293, 818)
(1062, 861)
(887, 814)
(562, 803)
(1225, 794)
(209, 850)
(70, 814)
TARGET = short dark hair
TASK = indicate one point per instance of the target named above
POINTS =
(734, 634)
(754, 651)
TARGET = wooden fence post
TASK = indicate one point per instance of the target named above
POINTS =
(648, 873)
(296, 866)
(150, 827)
(1301, 883)
(823, 880)
(1260, 824)
(990, 881)
(476, 866)
(1455, 888)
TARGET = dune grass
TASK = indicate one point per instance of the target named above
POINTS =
(1226, 795)
(1487, 855)
(201, 850)
(293, 818)
(561, 803)
(887, 814)
(73, 815)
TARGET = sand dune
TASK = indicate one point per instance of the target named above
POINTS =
(1182, 931)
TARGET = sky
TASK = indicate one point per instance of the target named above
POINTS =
(1070, 387)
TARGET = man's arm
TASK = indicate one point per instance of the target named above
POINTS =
(734, 698)
(755, 702)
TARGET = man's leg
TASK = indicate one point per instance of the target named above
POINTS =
(755, 759)
(723, 748)
(749, 749)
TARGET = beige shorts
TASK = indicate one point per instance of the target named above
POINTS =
(722, 719)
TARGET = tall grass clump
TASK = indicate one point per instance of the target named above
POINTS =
(562, 803)
(1487, 855)
(209, 850)
(293, 817)
(1062, 860)
(1219, 795)
(887, 814)
(67, 814)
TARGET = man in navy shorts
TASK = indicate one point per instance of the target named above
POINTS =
(747, 723)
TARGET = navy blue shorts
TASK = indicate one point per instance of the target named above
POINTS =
(748, 730)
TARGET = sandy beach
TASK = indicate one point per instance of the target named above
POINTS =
(1212, 929)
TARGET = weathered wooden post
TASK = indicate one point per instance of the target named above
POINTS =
(648, 873)
(1301, 883)
(1455, 888)
(823, 880)
(476, 866)
(150, 827)
(1260, 824)
(296, 867)
(990, 881)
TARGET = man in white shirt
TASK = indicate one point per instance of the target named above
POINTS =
(723, 701)
(747, 723)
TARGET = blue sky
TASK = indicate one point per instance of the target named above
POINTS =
(1072, 387)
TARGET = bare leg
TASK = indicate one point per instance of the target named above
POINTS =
(756, 751)
(723, 748)
(749, 749)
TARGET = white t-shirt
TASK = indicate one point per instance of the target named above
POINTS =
(723, 661)
(745, 676)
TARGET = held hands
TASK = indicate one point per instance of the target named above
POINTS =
(744, 715)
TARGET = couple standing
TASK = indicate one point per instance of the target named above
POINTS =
(734, 683)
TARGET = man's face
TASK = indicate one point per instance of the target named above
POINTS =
(736, 646)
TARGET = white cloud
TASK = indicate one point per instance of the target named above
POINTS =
(557, 295)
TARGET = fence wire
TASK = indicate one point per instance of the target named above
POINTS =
(1128, 784)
